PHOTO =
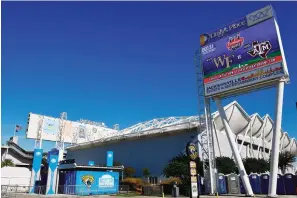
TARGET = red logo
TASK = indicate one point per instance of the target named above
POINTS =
(235, 42)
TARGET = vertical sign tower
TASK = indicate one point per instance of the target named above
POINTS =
(241, 57)
(193, 155)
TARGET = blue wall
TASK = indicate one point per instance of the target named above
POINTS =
(93, 182)
(148, 152)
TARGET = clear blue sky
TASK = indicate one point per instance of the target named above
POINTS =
(120, 62)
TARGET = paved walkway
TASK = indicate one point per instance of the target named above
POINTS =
(21, 195)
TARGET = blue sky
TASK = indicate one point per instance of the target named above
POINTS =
(120, 62)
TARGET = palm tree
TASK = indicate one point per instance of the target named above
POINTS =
(7, 162)
(285, 160)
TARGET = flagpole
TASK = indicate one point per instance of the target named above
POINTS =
(14, 130)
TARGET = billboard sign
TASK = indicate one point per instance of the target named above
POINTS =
(74, 132)
(242, 58)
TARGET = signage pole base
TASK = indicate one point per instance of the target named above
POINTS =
(232, 143)
(276, 140)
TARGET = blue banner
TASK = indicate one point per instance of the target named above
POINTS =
(109, 158)
(92, 182)
(37, 158)
(53, 159)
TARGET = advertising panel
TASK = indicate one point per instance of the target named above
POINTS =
(50, 126)
(243, 55)
(74, 132)
(91, 182)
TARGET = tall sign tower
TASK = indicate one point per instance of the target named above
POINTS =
(238, 58)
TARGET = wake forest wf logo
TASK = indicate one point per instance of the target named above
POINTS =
(260, 49)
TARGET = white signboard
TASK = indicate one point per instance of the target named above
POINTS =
(106, 181)
(194, 189)
(74, 132)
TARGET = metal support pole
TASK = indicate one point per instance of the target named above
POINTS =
(233, 145)
(276, 140)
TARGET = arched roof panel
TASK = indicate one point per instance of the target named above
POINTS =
(256, 124)
(237, 117)
(268, 129)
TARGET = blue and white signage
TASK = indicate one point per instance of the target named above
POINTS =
(36, 168)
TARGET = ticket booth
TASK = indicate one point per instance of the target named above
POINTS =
(89, 180)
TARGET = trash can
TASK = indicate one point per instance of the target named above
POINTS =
(242, 189)
(199, 184)
(175, 190)
(222, 187)
(255, 183)
(280, 188)
(295, 181)
(264, 183)
(233, 183)
(289, 183)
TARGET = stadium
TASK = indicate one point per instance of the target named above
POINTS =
(152, 144)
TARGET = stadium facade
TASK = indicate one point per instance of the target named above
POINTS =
(152, 144)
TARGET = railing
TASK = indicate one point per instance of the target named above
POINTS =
(8, 191)
(153, 191)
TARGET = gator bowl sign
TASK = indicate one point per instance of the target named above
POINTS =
(242, 58)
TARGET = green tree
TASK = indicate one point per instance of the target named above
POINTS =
(285, 160)
(226, 165)
(146, 172)
(253, 165)
(117, 164)
(7, 162)
(129, 171)
(179, 167)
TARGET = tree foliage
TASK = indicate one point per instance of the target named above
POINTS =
(285, 160)
(129, 171)
(146, 172)
(226, 165)
(7, 162)
(117, 163)
(253, 165)
(178, 167)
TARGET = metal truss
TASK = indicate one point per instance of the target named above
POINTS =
(60, 135)
(158, 124)
(205, 129)
(38, 140)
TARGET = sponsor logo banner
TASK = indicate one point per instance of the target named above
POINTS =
(242, 54)
(245, 79)
(238, 25)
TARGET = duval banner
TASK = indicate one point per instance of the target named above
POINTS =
(53, 159)
(37, 158)
(242, 55)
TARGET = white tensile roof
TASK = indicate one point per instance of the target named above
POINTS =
(261, 128)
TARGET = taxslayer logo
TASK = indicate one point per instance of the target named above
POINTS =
(235, 42)
(260, 49)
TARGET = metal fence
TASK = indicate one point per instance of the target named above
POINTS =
(80, 190)
(153, 190)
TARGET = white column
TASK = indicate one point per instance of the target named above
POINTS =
(276, 140)
(233, 145)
